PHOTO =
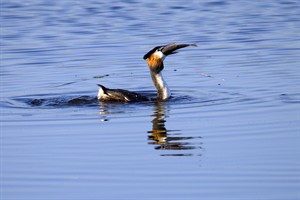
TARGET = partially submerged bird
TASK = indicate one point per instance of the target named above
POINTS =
(154, 58)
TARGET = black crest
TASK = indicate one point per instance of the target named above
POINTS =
(147, 55)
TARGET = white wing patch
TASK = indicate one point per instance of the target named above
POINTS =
(126, 99)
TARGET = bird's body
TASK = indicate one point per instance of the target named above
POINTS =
(119, 95)
(154, 58)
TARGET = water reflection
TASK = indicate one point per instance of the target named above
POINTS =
(170, 142)
(165, 139)
(107, 109)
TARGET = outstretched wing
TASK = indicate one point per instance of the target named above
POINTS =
(171, 48)
(167, 49)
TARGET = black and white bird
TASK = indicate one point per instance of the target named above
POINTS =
(154, 58)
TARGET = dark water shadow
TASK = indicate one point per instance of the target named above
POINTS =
(56, 101)
(61, 100)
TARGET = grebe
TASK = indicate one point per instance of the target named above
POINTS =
(154, 58)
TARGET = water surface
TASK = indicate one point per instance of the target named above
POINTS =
(230, 130)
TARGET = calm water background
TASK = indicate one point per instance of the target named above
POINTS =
(231, 130)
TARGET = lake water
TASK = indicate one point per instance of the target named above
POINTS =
(229, 132)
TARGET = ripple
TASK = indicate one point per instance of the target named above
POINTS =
(230, 130)
(290, 98)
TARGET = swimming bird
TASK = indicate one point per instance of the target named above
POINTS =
(154, 58)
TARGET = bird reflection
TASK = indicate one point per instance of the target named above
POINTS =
(167, 139)
(159, 136)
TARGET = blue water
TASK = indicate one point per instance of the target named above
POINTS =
(229, 132)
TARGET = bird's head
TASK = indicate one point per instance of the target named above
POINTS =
(156, 56)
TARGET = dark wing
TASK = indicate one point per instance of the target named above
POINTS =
(125, 96)
(171, 48)
(167, 49)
